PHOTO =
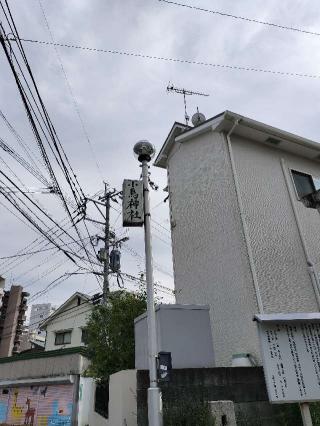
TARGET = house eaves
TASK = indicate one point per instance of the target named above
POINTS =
(176, 129)
(248, 129)
(57, 312)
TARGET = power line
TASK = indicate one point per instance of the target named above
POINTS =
(32, 157)
(41, 127)
(57, 149)
(74, 101)
(176, 60)
(32, 298)
(24, 163)
(45, 262)
(27, 254)
(29, 218)
(38, 242)
(19, 218)
(243, 18)
(35, 205)
(64, 315)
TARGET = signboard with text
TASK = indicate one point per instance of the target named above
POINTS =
(132, 204)
(290, 346)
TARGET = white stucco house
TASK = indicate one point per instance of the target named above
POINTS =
(66, 326)
(243, 241)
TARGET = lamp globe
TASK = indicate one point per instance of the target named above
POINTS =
(144, 150)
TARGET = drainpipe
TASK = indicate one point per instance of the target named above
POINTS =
(312, 272)
(243, 220)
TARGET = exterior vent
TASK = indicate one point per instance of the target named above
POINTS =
(273, 141)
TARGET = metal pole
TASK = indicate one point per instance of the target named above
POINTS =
(154, 395)
(305, 414)
(106, 247)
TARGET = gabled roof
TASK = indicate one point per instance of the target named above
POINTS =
(176, 130)
(84, 298)
(247, 128)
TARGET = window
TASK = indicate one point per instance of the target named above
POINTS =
(303, 182)
(63, 338)
(84, 336)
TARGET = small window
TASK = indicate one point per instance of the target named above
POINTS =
(63, 338)
(84, 336)
(303, 182)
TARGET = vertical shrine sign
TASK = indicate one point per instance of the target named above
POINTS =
(290, 346)
(132, 204)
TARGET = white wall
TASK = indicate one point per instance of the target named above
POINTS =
(210, 257)
(209, 252)
(39, 368)
(279, 257)
(71, 319)
(86, 413)
(123, 398)
(122, 401)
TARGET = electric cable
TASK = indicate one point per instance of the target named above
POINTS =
(243, 18)
(39, 208)
(32, 157)
(48, 122)
(74, 101)
(178, 60)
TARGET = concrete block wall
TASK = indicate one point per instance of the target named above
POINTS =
(244, 386)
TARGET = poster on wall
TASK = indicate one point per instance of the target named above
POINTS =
(290, 346)
(37, 405)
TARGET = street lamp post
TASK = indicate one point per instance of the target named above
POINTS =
(144, 151)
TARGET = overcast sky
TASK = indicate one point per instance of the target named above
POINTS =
(122, 99)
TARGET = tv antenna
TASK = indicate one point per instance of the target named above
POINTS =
(184, 92)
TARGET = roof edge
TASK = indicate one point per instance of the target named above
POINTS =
(81, 350)
(161, 158)
(61, 308)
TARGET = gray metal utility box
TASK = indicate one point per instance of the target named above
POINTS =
(183, 330)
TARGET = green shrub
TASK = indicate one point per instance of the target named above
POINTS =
(315, 413)
(181, 410)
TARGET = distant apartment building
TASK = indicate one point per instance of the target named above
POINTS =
(12, 318)
(38, 314)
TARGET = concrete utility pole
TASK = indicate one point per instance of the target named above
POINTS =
(108, 238)
(144, 150)
(106, 261)
(305, 414)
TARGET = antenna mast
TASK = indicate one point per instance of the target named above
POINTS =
(184, 92)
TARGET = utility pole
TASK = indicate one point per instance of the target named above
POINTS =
(106, 246)
(108, 238)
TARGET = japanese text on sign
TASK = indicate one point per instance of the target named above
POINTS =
(291, 360)
(132, 206)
